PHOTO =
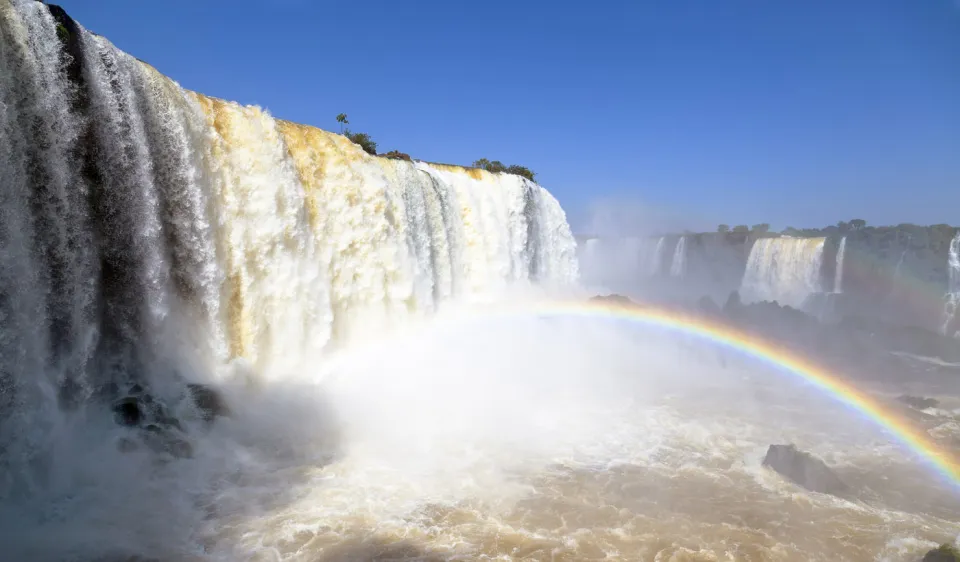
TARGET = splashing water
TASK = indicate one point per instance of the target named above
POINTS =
(155, 236)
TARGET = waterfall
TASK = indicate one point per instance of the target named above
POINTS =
(678, 266)
(652, 256)
(838, 274)
(784, 269)
(142, 222)
(952, 296)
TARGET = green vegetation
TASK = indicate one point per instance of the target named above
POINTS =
(63, 33)
(723, 228)
(858, 224)
(761, 228)
(365, 141)
(497, 166)
(342, 119)
(741, 228)
(397, 155)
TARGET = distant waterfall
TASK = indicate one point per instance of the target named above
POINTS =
(785, 269)
(838, 274)
(653, 256)
(952, 298)
(678, 266)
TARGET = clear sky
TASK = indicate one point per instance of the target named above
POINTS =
(791, 112)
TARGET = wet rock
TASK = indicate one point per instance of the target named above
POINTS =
(166, 440)
(804, 469)
(210, 402)
(919, 402)
(943, 553)
(128, 411)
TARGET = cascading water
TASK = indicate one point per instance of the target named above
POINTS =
(678, 266)
(784, 269)
(147, 229)
(952, 296)
(151, 236)
(838, 273)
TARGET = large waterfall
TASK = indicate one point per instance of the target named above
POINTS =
(784, 269)
(143, 221)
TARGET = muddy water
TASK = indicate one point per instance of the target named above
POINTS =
(664, 467)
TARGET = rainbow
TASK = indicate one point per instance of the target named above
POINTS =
(915, 439)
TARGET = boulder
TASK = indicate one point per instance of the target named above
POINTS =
(210, 402)
(804, 469)
(919, 402)
(943, 553)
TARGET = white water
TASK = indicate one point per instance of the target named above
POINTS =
(838, 274)
(205, 237)
(215, 241)
(786, 270)
(678, 265)
(952, 297)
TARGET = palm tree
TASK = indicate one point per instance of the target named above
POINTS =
(342, 119)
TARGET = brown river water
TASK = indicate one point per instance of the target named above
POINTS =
(559, 442)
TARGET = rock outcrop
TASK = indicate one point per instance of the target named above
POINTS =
(804, 469)
(943, 553)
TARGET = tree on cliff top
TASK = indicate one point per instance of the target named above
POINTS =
(858, 224)
(723, 228)
(364, 140)
(741, 228)
(342, 119)
(761, 228)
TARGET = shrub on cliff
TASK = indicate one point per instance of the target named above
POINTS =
(397, 155)
(761, 228)
(741, 228)
(723, 228)
(497, 166)
(364, 140)
(521, 171)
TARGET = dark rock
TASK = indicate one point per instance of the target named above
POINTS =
(733, 304)
(919, 402)
(706, 306)
(210, 402)
(613, 299)
(943, 553)
(127, 411)
(804, 469)
(163, 439)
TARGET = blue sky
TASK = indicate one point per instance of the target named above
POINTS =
(694, 112)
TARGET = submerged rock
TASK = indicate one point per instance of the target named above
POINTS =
(210, 402)
(804, 469)
(919, 402)
(943, 553)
